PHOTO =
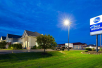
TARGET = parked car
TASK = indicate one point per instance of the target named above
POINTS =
(67, 47)
(60, 47)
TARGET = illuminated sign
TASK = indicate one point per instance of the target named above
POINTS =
(96, 25)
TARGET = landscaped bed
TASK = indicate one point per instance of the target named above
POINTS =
(92, 52)
(55, 59)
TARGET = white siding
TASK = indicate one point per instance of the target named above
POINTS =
(23, 43)
(29, 40)
(19, 40)
(32, 41)
(70, 45)
(9, 40)
(1, 38)
(80, 47)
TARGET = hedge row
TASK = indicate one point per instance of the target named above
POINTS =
(35, 47)
(15, 46)
(90, 49)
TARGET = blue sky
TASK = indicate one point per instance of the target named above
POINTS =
(46, 17)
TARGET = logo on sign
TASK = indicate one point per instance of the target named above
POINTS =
(97, 19)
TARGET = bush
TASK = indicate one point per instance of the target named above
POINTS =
(86, 50)
(93, 49)
(63, 48)
(89, 49)
(39, 47)
(34, 47)
(101, 49)
(3, 45)
(15, 46)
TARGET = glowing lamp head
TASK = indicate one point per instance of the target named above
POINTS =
(66, 22)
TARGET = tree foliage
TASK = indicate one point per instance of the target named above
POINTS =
(3, 44)
(46, 41)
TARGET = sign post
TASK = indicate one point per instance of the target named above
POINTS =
(96, 28)
(96, 43)
(100, 40)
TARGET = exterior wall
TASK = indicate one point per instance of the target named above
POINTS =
(29, 41)
(17, 41)
(24, 42)
(93, 47)
(14, 39)
(84, 45)
(77, 47)
(1, 39)
(32, 41)
(20, 40)
(70, 45)
(9, 40)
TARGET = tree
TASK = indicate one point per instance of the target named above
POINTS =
(46, 41)
(3, 44)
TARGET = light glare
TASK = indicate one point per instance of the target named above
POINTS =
(66, 22)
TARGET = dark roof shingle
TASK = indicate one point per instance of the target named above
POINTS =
(13, 36)
(78, 43)
(29, 33)
(3, 37)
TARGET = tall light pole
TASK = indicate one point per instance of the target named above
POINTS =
(67, 22)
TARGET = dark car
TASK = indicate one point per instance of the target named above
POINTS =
(60, 48)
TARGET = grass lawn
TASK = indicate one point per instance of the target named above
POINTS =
(13, 49)
(55, 59)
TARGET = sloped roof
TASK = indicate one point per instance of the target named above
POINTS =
(91, 45)
(3, 37)
(30, 33)
(78, 43)
(60, 44)
(13, 36)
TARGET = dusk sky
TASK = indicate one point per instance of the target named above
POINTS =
(47, 16)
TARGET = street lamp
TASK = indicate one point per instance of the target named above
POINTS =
(67, 23)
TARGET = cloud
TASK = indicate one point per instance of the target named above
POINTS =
(10, 29)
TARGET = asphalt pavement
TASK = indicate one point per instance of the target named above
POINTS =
(22, 51)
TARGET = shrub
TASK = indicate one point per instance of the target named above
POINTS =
(34, 47)
(93, 49)
(12, 48)
(101, 49)
(39, 47)
(15, 46)
(63, 48)
(86, 50)
(3, 44)
(89, 49)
